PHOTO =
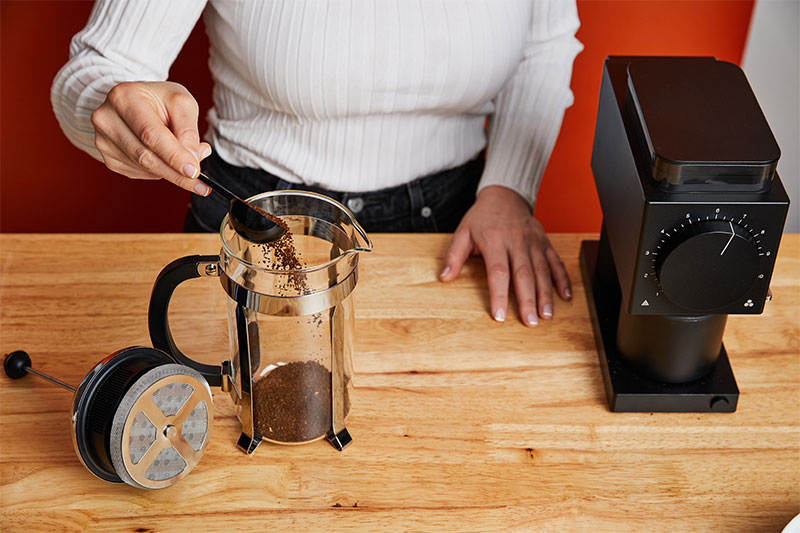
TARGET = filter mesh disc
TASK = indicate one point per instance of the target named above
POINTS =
(161, 427)
(143, 435)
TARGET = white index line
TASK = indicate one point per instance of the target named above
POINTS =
(733, 234)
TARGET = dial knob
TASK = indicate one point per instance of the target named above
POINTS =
(707, 265)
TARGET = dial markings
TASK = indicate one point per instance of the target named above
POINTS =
(737, 227)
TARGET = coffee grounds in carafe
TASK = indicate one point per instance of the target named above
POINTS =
(292, 402)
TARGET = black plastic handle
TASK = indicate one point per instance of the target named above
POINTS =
(167, 281)
(218, 187)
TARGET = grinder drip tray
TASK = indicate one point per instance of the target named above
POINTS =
(626, 390)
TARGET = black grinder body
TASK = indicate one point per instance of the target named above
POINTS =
(693, 212)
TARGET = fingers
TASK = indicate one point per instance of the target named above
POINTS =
(544, 285)
(113, 134)
(534, 267)
(525, 286)
(147, 109)
(559, 274)
(495, 256)
(514, 246)
(125, 153)
(117, 161)
(157, 138)
(457, 253)
(205, 150)
(146, 129)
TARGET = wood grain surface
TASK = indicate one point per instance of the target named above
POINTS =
(459, 423)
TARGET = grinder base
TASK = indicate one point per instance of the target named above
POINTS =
(629, 392)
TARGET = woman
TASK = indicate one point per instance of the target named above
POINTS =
(379, 104)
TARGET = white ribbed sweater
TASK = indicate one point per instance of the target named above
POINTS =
(350, 95)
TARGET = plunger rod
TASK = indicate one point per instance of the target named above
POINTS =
(17, 364)
(49, 378)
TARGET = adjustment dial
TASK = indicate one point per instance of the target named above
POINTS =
(707, 265)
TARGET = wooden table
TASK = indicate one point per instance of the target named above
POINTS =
(460, 423)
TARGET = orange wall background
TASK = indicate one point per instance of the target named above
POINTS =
(47, 185)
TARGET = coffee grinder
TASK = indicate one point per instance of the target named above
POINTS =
(693, 211)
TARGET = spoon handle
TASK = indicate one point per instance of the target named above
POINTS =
(218, 187)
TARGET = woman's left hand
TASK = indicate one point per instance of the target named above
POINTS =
(514, 245)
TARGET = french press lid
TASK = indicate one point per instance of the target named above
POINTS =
(137, 416)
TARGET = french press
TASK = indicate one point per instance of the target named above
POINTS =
(290, 319)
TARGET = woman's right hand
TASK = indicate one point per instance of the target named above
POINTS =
(148, 130)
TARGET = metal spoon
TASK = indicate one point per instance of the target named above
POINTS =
(249, 221)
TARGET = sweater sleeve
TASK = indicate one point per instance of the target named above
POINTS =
(531, 105)
(134, 40)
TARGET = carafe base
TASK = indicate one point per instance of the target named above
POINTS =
(340, 440)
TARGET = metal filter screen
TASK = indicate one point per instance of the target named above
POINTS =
(170, 398)
(195, 427)
(161, 427)
(143, 435)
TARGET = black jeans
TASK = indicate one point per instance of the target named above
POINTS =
(434, 203)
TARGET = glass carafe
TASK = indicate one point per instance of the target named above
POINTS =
(290, 320)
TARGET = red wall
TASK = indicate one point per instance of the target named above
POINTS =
(47, 185)
(567, 200)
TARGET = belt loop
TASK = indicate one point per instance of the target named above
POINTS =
(411, 207)
(416, 202)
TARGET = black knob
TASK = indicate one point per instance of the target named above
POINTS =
(719, 403)
(706, 266)
(16, 364)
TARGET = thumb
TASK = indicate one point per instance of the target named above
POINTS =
(460, 248)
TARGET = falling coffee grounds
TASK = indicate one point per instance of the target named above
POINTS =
(292, 403)
(281, 254)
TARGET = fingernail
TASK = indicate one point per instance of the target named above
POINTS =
(500, 315)
(568, 293)
(533, 319)
(201, 188)
(445, 272)
(206, 152)
(547, 310)
(189, 170)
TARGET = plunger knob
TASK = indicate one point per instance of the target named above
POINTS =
(16, 364)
